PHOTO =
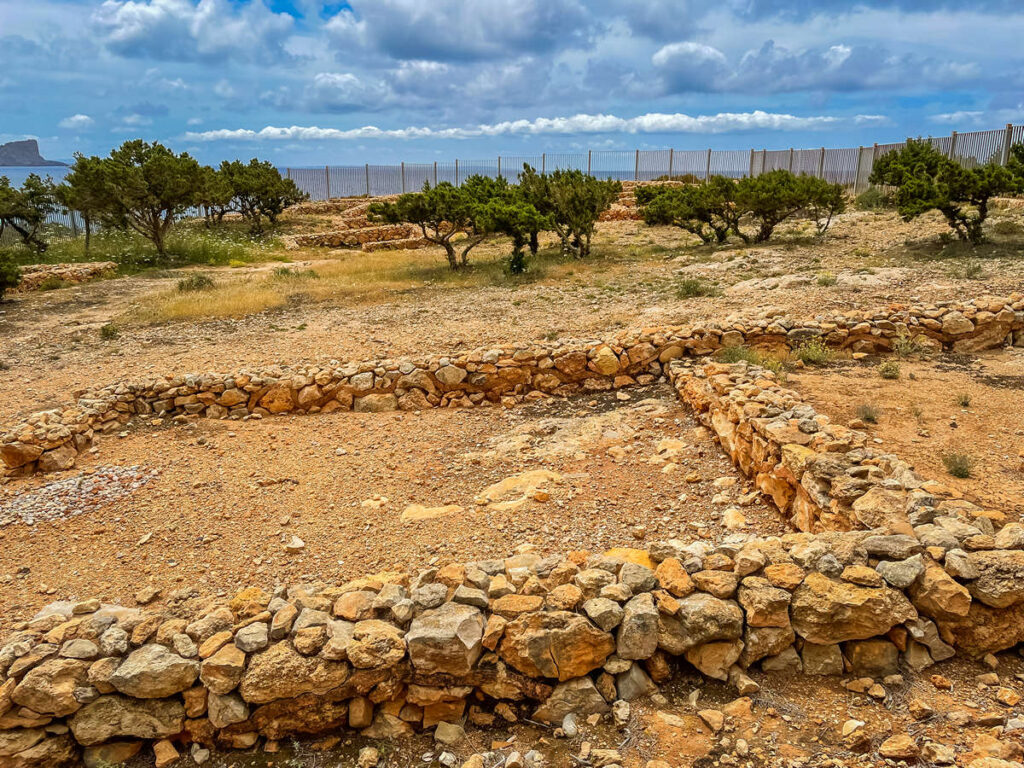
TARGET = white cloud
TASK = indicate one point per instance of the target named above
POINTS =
(654, 122)
(182, 30)
(77, 122)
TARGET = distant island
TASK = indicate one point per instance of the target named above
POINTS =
(24, 154)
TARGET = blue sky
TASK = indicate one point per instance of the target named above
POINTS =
(304, 82)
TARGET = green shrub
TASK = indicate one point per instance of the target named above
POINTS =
(10, 274)
(289, 273)
(963, 399)
(873, 199)
(738, 354)
(197, 281)
(926, 179)
(868, 413)
(52, 283)
(890, 369)
(826, 279)
(109, 332)
(692, 287)
(905, 346)
(958, 464)
(1007, 228)
(813, 352)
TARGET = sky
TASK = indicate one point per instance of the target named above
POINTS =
(302, 82)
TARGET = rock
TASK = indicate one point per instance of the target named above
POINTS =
(280, 672)
(673, 577)
(901, 573)
(637, 637)
(827, 611)
(49, 689)
(765, 605)
(634, 684)
(294, 546)
(252, 638)
(713, 719)
(899, 747)
(113, 753)
(638, 578)
(715, 659)
(375, 644)
(115, 716)
(558, 644)
(375, 403)
(58, 459)
(938, 595)
(17, 454)
(787, 661)
(578, 696)
(164, 753)
(883, 508)
(446, 640)
(822, 659)
(607, 614)
(154, 672)
(721, 584)
(761, 642)
(700, 619)
(875, 657)
(1011, 536)
(79, 648)
(360, 712)
(226, 710)
(222, 672)
(449, 734)
(369, 757)
(1000, 582)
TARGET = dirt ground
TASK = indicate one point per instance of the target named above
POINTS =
(52, 345)
(223, 498)
(922, 418)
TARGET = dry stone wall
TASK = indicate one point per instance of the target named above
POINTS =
(51, 440)
(34, 275)
(534, 636)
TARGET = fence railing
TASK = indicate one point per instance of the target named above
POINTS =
(850, 166)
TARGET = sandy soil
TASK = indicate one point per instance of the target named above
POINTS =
(921, 421)
(229, 495)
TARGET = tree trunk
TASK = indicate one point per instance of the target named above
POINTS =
(87, 221)
(534, 243)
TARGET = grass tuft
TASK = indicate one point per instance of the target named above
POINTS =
(890, 369)
(813, 352)
(868, 413)
(958, 464)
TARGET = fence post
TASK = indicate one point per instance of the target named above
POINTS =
(750, 172)
(860, 160)
(821, 164)
(707, 166)
(74, 225)
(543, 162)
(435, 173)
(589, 151)
(288, 173)
(636, 167)
(327, 178)
(499, 166)
(790, 159)
(671, 157)
(1007, 143)
(456, 171)
(764, 161)
(403, 178)
(952, 145)
(367, 179)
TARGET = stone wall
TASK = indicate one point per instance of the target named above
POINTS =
(33, 275)
(532, 636)
(51, 440)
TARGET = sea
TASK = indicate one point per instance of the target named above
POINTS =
(17, 174)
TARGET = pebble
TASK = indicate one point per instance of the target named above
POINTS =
(74, 495)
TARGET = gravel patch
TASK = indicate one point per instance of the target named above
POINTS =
(74, 495)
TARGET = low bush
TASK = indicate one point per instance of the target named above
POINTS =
(195, 282)
(826, 279)
(958, 464)
(889, 369)
(109, 332)
(873, 199)
(813, 352)
(693, 287)
(906, 346)
(963, 399)
(868, 413)
(739, 354)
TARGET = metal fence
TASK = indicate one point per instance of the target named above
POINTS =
(850, 166)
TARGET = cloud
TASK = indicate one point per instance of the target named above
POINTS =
(183, 30)
(77, 122)
(724, 122)
(344, 92)
(452, 30)
(772, 68)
